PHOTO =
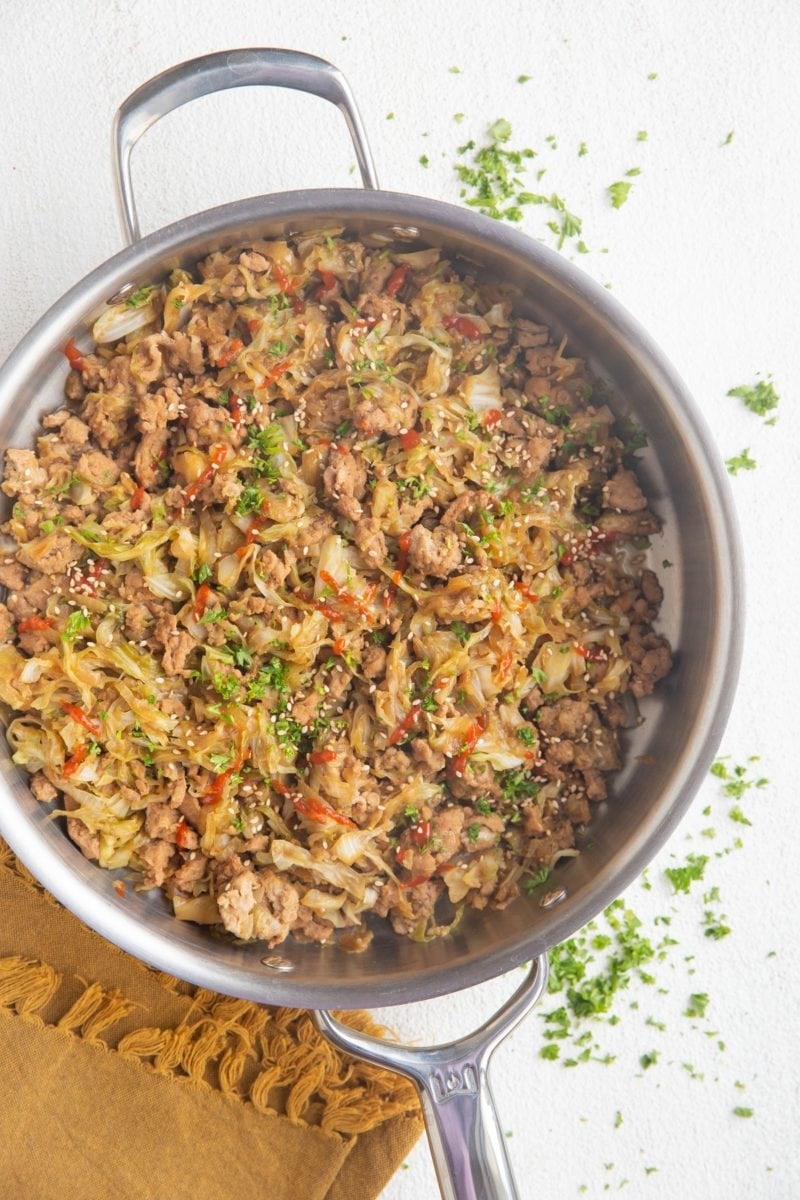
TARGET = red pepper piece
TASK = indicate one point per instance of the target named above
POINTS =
(398, 734)
(137, 499)
(492, 417)
(321, 756)
(328, 284)
(525, 590)
(201, 600)
(320, 812)
(410, 439)
(504, 666)
(218, 456)
(464, 327)
(415, 881)
(119, 888)
(78, 715)
(237, 408)
(75, 759)
(420, 833)
(338, 646)
(282, 279)
(396, 279)
(458, 764)
(217, 789)
(35, 624)
(182, 832)
(590, 653)
(254, 324)
(74, 356)
(232, 350)
(344, 595)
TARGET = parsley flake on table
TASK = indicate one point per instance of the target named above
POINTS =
(618, 192)
(728, 139)
(740, 462)
(739, 1111)
(698, 1003)
(761, 398)
(524, 78)
(682, 878)
(641, 135)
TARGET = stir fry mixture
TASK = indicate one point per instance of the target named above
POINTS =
(325, 593)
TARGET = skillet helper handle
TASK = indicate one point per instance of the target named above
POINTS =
(467, 1144)
(216, 73)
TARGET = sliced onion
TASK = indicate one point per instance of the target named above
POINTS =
(118, 320)
(482, 391)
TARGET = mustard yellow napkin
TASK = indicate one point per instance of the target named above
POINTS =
(119, 1081)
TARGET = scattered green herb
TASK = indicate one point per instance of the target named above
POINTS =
(740, 462)
(761, 398)
(618, 193)
(77, 624)
(682, 878)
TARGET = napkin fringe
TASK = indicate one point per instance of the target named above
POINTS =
(291, 1070)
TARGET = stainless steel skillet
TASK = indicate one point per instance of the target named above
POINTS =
(666, 758)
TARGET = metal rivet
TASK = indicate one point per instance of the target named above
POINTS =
(276, 963)
(554, 897)
(124, 291)
(404, 233)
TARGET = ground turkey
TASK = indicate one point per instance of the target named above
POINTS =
(434, 552)
(259, 904)
(345, 481)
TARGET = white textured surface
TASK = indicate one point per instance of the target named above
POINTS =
(705, 253)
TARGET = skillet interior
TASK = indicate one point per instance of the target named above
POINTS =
(684, 720)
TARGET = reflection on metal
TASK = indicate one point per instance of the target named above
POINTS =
(553, 897)
(276, 963)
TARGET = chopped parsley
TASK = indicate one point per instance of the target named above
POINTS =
(618, 193)
(583, 150)
(518, 785)
(728, 139)
(226, 686)
(473, 832)
(415, 488)
(250, 500)
(641, 135)
(698, 1003)
(739, 1111)
(483, 806)
(213, 614)
(491, 180)
(536, 879)
(761, 398)
(524, 78)
(238, 654)
(649, 1060)
(682, 878)
(267, 443)
(140, 297)
(740, 462)
(527, 735)
(424, 161)
(271, 676)
(461, 631)
(77, 624)
(202, 572)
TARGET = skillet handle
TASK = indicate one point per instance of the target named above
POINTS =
(467, 1144)
(217, 73)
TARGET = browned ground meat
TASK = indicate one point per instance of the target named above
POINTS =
(292, 601)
